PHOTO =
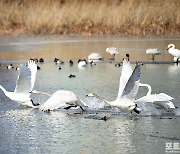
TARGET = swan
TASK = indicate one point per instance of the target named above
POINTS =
(174, 52)
(82, 63)
(162, 100)
(60, 99)
(128, 88)
(113, 51)
(24, 85)
(95, 56)
(153, 51)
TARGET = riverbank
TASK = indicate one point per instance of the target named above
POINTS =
(90, 18)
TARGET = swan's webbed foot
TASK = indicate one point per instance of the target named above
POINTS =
(177, 61)
(82, 109)
(70, 106)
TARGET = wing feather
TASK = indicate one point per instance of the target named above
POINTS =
(132, 86)
(26, 78)
(125, 75)
(155, 98)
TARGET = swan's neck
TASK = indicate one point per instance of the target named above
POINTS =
(84, 103)
(4, 90)
(40, 92)
(148, 86)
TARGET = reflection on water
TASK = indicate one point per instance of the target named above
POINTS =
(24, 48)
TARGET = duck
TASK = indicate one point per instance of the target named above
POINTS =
(72, 76)
(82, 63)
(41, 60)
(10, 66)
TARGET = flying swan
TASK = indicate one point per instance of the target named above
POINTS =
(24, 85)
(128, 88)
(162, 100)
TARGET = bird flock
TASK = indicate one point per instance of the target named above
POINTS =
(129, 84)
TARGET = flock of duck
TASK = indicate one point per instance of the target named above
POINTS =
(128, 87)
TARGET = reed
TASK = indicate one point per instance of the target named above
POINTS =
(90, 17)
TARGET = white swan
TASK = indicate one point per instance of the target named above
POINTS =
(153, 51)
(94, 56)
(162, 100)
(24, 84)
(61, 99)
(113, 51)
(174, 52)
(128, 88)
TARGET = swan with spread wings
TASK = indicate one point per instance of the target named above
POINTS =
(128, 88)
(24, 85)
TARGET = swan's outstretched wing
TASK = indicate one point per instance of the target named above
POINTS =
(162, 100)
(165, 105)
(132, 86)
(125, 75)
(60, 99)
(155, 97)
(26, 78)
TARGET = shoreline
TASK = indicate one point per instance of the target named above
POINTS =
(87, 35)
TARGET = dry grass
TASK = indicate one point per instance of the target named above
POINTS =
(90, 17)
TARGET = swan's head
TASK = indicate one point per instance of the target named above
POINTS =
(171, 46)
(134, 108)
(91, 95)
(35, 91)
(137, 109)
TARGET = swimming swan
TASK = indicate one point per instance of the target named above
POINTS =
(128, 88)
(24, 85)
(94, 56)
(162, 100)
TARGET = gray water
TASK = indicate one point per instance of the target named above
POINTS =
(27, 130)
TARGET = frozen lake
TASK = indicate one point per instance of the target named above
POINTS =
(27, 130)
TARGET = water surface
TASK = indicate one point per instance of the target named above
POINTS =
(27, 130)
(19, 48)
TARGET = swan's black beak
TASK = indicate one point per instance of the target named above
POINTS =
(169, 47)
(137, 110)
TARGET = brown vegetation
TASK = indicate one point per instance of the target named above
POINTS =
(90, 17)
